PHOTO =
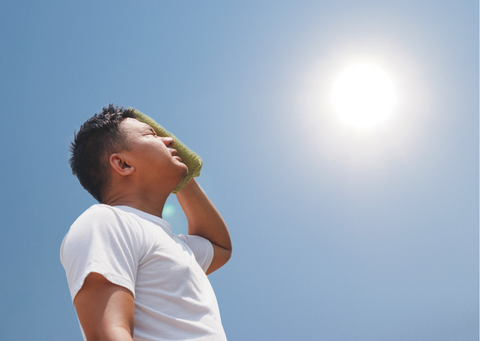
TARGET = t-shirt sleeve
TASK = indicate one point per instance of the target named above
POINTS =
(100, 242)
(202, 249)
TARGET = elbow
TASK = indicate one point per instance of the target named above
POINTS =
(228, 255)
(221, 256)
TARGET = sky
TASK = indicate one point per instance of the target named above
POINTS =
(339, 233)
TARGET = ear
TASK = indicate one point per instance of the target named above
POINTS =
(120, 165)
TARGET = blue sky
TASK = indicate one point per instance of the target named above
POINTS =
(339, 233)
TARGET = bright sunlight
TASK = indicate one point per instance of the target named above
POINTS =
(363, 96)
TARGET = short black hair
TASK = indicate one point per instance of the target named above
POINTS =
(98, 138)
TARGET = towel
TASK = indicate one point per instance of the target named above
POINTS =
(189, 158)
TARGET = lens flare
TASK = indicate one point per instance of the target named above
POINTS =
(168, 211)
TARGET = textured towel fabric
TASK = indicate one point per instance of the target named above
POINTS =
(192, 160)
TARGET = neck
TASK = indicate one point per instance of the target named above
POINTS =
(152, 204)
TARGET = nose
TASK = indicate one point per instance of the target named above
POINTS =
(169, 142)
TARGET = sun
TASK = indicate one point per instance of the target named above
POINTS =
(363, 96)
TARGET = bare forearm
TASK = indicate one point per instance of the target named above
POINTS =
(203, 218)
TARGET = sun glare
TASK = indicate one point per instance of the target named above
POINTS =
(363, 96)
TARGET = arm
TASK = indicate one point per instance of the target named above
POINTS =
(106, 311)
(205, 221)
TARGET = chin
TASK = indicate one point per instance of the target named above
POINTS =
(185, 172)
(182, 171)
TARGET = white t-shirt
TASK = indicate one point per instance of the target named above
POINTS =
(165, 272)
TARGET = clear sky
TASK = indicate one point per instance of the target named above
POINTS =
(339, 233)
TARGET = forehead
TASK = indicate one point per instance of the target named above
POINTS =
(134, 126)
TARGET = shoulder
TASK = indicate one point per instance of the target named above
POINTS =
(95, 213)
(98, 222)
(99, 216)
(102, 227)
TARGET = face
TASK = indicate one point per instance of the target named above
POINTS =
(153, 157)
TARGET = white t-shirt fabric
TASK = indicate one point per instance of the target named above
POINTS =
(165, 272)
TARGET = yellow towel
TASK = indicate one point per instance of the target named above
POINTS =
(192, 160)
